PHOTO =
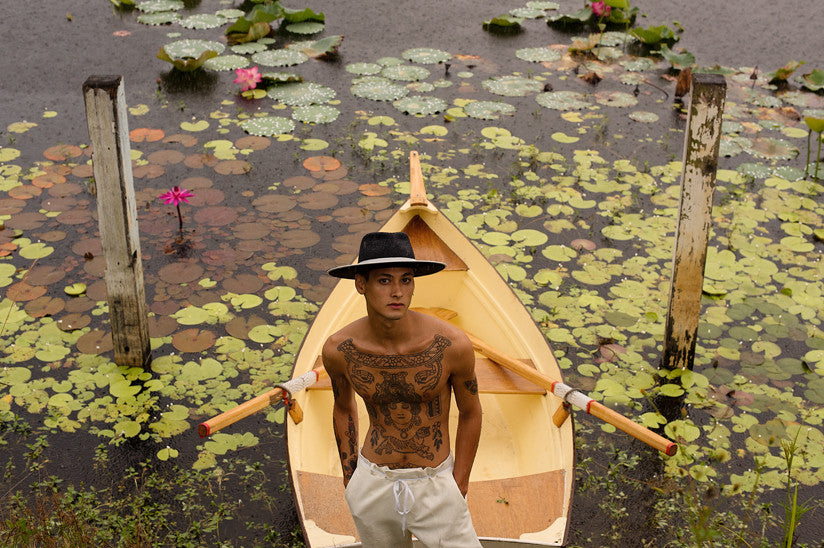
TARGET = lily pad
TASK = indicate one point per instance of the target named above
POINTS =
(301, 94)
(562, 100)
(488, 110)
(159, 18)
(420, 106)
(191, 48)
(363, 69)
(538, 55)
(426, 56)
(226, 63)
(512, 86)
(279, 58)
(202, 21)
(316, 114)
(267, 126)
(379, 90)
(306, 27)
(153, 6)
(405, 73)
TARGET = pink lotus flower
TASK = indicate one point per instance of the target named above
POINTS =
(174, 197)
(600, 9)
(247, 78)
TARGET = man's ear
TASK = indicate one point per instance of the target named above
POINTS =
(360, 283)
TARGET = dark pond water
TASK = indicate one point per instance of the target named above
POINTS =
(51, 48)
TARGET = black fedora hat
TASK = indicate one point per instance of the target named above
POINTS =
(383, 250)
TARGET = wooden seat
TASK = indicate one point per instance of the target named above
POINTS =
(492, 379)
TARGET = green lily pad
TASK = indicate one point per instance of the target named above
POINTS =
(279, 58)
(316, 114)
(192, 49)
(379, 90)
(202, 21)
(306, 27)
(643, 117)
(512, 86)
(268, 126)
(420, 105)
(249, 48)
(159, 18)
(488, 110)
(167, 453)
(405, 73)
(153, 6)
(363, 69)
(226, 63)
(538, 55)
(813, 81)
(301, 94)
(426, 56)
(562, 100)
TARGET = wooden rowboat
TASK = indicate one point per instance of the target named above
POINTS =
(521, 484)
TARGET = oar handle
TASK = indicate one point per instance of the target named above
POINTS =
(601, 411)
(257, 403)
(576, 398)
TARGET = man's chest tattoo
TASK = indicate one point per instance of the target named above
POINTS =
(397, 377)
(401, 396)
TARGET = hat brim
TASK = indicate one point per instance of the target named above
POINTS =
(419, 268)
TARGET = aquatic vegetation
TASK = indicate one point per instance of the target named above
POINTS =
(247, 78)
(174, 197)
(816, 124)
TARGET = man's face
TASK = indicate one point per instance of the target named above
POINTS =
(388, 291)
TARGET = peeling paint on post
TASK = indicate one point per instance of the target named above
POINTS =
(117, 212)
(701, 146)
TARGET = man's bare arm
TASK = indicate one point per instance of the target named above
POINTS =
(344, 416)
(465, 387)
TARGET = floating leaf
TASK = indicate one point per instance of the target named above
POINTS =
(301, 93)
(268, 126)
(325, 47)
(316, 114)
(306, 27)
(153, 6)
(420, 106)
(379, 90)
(226, 63)
(405, 73)
(426, 56)
(488, 110)
(538, 55)
(202, 21)
(279, 58)
(562, 100)
(512, 86)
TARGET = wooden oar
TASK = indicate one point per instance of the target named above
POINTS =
(261, 402)
(563, 391)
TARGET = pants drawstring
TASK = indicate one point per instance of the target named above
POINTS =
(404, 500)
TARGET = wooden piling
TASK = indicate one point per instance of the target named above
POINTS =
(701, 147)
(111, 155)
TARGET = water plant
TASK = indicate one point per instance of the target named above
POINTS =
(816, 124)
(247, 78)
(174, 197)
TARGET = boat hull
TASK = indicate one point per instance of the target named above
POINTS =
(521, 483)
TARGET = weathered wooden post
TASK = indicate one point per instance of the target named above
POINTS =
(701, 146)
(117, 212)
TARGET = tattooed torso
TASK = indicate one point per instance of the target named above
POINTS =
(407, 398)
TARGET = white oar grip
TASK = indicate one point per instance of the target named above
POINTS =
(570, 395)
(300, 383)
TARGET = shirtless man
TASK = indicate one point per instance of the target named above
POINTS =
(405, 366)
